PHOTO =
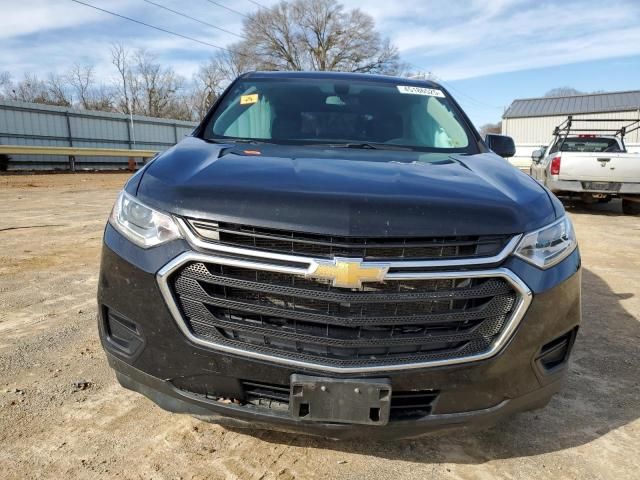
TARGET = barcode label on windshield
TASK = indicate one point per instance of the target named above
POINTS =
(430, 92)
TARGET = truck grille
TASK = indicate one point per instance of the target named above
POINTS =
(293, 317)
(325, 246)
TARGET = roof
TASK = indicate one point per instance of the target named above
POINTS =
(323, 75)
(591, 103)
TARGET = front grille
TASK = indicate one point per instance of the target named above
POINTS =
(326, 246)
(392, 322)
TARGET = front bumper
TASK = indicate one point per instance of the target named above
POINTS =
(167, 396)
(173, 371)
(574, 186)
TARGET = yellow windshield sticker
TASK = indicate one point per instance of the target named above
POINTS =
(248, 99)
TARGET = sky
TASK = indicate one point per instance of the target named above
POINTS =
(486, 53)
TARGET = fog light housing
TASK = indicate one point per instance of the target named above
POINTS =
(555, 354)
(121, 334)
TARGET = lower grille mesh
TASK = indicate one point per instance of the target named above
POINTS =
(383, 323)
(405, 405)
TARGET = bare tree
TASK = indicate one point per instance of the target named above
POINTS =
(155, 89)
(291, 35)
(90, 95)
(144, 87)
(272, 34)
(316, 35)
(120, 59)
(102, 98)
(30, 89)
(339, 40)
(238, 59)
(491, 128)
(207, 85)
(80, 78)
(6, 84)
(59, 90)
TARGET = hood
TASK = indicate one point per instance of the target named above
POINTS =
(345, 192)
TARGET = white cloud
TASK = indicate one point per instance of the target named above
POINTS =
(37, 16)
(519, 36)
(454, 39)
(43, 36)
(581, 48)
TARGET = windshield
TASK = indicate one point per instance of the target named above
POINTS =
(361, 114)
(590, 144)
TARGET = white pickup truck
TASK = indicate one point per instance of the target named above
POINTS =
(592, 167)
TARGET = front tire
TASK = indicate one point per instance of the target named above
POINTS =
(630, 207)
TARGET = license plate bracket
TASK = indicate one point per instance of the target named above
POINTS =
(323, 399)
(602, 186)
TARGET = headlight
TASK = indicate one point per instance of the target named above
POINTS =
(142, 225)
(549, 245)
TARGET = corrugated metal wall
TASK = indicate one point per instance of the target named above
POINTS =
(34, 124)
(529, 133)
(539, 130)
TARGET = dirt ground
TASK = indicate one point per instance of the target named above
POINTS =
(62, 414)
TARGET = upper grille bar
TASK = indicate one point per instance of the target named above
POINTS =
(212, 231)
(394, 265)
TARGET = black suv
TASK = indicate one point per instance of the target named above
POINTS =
(340, 255)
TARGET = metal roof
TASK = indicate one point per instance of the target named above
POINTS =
(591, 103)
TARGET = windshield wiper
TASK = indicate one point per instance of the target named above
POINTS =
(367, 146)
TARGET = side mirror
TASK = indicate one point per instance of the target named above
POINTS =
(500, 145)
(537, 155)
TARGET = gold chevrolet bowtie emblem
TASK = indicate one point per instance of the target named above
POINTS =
(347, 272)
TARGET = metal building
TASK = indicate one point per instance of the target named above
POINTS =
(43, 125)
(530, 121)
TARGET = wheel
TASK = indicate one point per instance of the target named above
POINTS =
(630, 207)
